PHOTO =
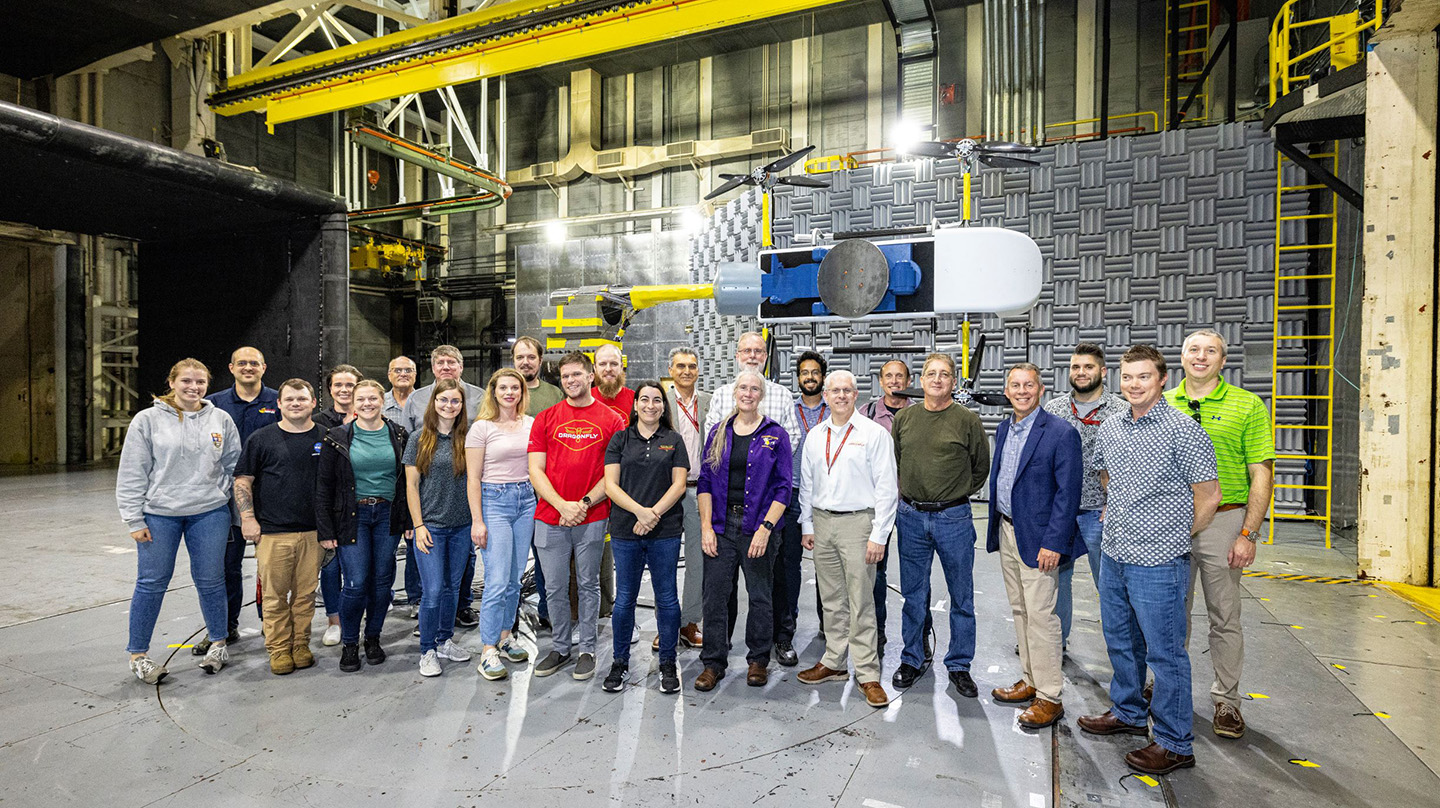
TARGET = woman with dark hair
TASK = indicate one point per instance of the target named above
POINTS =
(435, 488)
(744, 486)
(176, 473)
(646, 468)
(340, 385)
(360, 509)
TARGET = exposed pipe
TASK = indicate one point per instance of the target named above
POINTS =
(1040, 74)
(1027, 84)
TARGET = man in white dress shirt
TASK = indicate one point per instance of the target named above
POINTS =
(849, 491)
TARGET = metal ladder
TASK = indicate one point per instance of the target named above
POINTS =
(1303, 351)
(1187, 36)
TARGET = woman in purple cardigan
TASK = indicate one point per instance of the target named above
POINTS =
(744, 486)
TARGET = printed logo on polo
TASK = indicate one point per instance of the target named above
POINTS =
(268, 410)
(769, 442)
(317, 448)
(217, 439)
(577, 436)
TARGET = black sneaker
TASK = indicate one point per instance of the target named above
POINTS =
(349, 658)
(905, 675)
(467, 618)
(615, 681)
(964, 684)
(785, 654)
(374, 654)
(669, 678)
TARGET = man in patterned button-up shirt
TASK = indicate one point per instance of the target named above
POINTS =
(1158, 468)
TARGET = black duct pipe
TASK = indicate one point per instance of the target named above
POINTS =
(68, 138)
(77, 399)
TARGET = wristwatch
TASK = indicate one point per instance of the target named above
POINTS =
(1247, 535)
(769, 525)
(585, 500)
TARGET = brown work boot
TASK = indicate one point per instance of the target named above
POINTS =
(1156, 759)
(707, 679)
(1014, 694)
(690, 636)
(1041, 713)
(819, 674)
(655, 646)
(874, 694)
(1228, 721)
(1108, 724)
(757, 675)
(302, 656)
(281, 663)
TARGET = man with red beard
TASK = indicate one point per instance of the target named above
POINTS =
(610, 388)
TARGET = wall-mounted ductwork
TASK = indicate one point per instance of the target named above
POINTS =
(585, 156)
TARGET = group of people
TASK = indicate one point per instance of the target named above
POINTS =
(604, 481)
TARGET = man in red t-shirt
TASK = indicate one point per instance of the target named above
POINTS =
(610, 388)
(567, 469)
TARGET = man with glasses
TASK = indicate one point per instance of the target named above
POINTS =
(847, 508)
(1239, 426)
(943, 456)
(777, 403)
(1085, 407)
(402, 383)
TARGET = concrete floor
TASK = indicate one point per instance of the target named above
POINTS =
(1323, 660)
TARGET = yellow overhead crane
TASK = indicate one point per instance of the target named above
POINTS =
(517, 36)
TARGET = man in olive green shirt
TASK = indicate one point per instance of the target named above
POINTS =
(1239, 426)
(525, 354)
(943, 457)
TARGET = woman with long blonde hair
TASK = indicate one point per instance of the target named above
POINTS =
(502, 511)
(176, 474)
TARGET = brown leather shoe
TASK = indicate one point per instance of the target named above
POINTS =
(655, 646)
(281, 663)
(874, 694)
(757, 676)
(690, 636)
(1108, 724)
(1014, 694)
(302, 656)
(1041, 714)
(1228, 721)
(707, 679)
(819, 674)
(1156, 759)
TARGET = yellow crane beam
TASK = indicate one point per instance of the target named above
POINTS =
(286, 92)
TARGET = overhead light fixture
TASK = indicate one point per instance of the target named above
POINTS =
(907, 134)
(556, 232)
(692, 221)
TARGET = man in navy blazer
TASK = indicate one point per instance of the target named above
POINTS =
(1035, 481)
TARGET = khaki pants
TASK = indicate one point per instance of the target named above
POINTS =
(1037, 627)
(1210, 560)
(289, 565)
(847, 587)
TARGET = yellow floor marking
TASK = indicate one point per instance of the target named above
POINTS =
(1147, 780)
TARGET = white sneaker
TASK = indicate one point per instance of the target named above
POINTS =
(430, 664)
(147, 671)
(491, 667)
(512, 650)
(449, 650)
(414, 613)
(332, 635)
(215, 658)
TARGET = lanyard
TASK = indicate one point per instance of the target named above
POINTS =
(824, 413)
(829, 433)
(692, 415)
(1088, 420)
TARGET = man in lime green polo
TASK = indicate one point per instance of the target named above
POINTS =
(1238, 423)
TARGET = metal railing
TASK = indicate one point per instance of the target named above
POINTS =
(1287, 29)
(1132, 130)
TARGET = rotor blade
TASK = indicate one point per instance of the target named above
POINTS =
(732, 176)
(975, 357)
(911, 392)
(999, 161)
(1007, 147)
(991, 399)
(932, 148)
(788, 160)
(803, 182)
(728, 186)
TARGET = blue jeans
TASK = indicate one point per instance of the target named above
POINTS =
(1142, 612)
(330, 586)
(368, 567)
(205, 536)
(508, 510)
(1090, 529)
(950, 534)
(785, 589)
(631, 558)
(440, 572)
(414, 590)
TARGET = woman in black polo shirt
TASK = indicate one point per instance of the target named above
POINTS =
(645, 471)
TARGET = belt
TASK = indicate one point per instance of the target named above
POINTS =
(691, 483)
(1232, 506)
(371, 501)
(843, 513)
(933, 507)
(1007, 520)
(736, 506)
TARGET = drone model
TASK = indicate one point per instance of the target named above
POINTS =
(971, 153)
(768, 176)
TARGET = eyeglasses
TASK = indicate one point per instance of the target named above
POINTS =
(938, 374)
(403, 371)
(1194, 409)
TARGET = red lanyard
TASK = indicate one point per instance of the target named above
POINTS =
(830, 461)
(800, 408)
(692, 417)
(1088, 420)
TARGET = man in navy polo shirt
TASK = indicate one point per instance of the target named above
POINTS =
(250, 405)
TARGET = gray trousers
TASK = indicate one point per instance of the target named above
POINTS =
(692, 596)
(1221, 585)
(554, 546)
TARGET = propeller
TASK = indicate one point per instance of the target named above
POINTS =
(766, 176)
(966, 391)
(997, 153)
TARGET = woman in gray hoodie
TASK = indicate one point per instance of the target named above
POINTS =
(176, 472)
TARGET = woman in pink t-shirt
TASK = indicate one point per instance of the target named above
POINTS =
(502, 510)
